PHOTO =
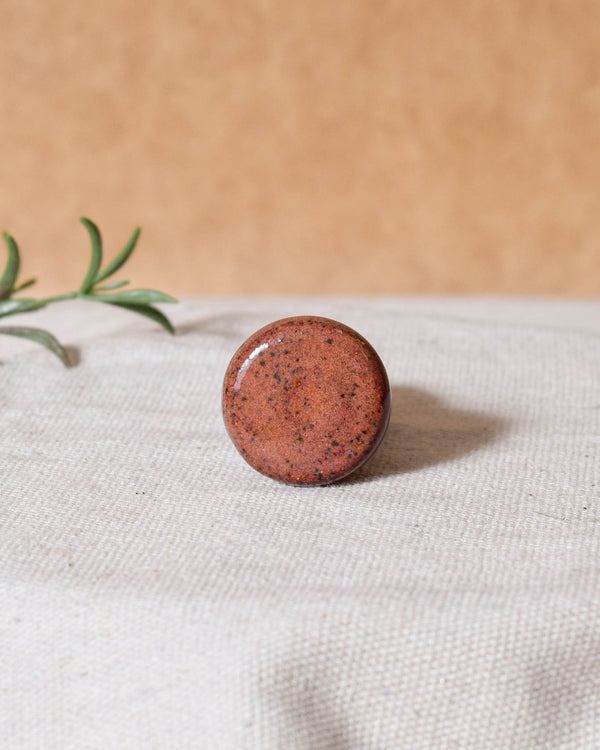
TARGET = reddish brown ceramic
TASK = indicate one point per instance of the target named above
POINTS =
(306, 400)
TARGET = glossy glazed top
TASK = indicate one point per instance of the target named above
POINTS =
(306, 400)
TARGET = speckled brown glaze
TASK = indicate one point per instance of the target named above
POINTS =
(306, 400)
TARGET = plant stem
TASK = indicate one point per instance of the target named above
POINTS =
(61, 297)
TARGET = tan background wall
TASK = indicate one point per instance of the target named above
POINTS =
(306, 146)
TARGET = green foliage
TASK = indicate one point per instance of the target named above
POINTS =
(13, 263)
(40, 337)
(140, 301)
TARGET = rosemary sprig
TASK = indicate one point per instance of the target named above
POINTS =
(92, 288)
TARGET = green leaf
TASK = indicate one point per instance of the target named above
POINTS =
(108, 287)
(135, 296)
(14, 306)
(24, 285)
(40, 337)
(148, 312)
(96, 259)
(121, 258)
(11, 270)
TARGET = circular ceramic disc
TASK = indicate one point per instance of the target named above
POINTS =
(306, 400)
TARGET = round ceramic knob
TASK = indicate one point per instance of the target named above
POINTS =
(306, 400)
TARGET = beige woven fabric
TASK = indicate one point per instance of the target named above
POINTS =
(156, 592)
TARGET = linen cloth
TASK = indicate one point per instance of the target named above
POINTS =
(156, 592)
